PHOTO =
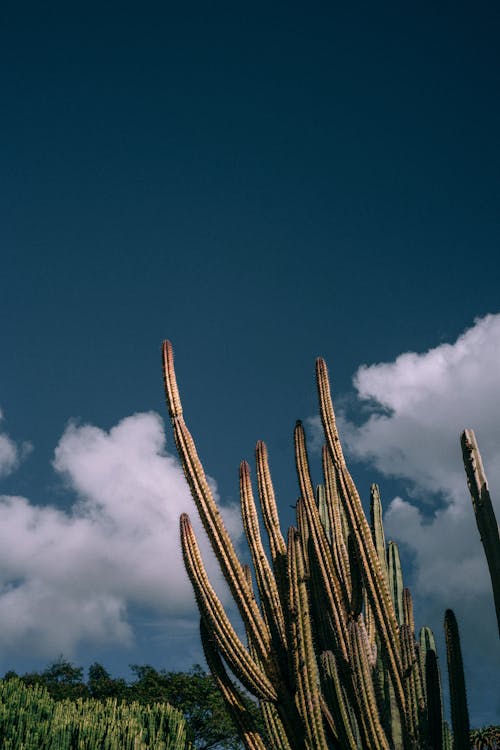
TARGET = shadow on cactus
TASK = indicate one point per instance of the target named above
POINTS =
(330, 649)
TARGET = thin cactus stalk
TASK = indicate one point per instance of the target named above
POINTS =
(458, 696)
(377, 527)
(232, 697)
(483, 510)
(434, 700)
(395, 576)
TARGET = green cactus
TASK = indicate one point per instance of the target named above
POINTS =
(331, 652)
(458, 696)
(31, 720)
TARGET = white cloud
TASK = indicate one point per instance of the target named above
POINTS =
(417, 407)
(10, 454)
(429, 399)
(71, 576)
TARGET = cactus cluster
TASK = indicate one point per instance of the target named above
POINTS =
(330, 651)
(31, 720)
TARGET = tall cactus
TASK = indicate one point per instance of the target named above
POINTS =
(331, 652)
(458, 696)
(483, 509)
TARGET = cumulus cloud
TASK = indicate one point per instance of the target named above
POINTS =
(414, 411)
(72, 576)
(426, 401)
(10, 453)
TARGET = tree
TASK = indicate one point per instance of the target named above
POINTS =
(61, 678)
(196, 695)
(101, 685)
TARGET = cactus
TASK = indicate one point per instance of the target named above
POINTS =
(458, 696)
(31, 720)
(330, 648)
(483, 509)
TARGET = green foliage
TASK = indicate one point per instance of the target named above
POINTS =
(62, 680)
(194, 693)
(486, 738)
(31, 720)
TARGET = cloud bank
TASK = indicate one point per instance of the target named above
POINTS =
(71, 576)
(11, 454)
(414, 411)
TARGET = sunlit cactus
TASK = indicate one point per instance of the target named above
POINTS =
(483, 510)
(31, 720)
(330, 648)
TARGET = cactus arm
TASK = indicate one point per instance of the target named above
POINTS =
(243, 666)
(483, 510)
(458, 696)
(395, 580)
(434, 700)
(209, 513)
(281, 719)
(377, 528)
(409, 664)
(303, 529)
(373, 577)
(427, 643)
(266, 583)
(356, 602)
(323, 511)
(374, 735)
(340, 553)
(408, 618)
(268, 503)
(304, 662)
(335, 698)
(371, 629)
(320, 542)
(274, 726)
(231, 695)
(417, 675)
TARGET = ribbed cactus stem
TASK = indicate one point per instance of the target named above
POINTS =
(305, 668)
(458, 696)
(434, 700)
(336, 699)
(268, 590)
(268, 503)
(246, 669)
(376, 526)
(395, 580)
(323, 511)
(339, 533)
(320, 542)
(373, 578)
(209, 512)
(231, 695)
(374, 736)
(483, 509)
(448, 737)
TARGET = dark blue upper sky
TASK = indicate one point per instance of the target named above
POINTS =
(260, 183)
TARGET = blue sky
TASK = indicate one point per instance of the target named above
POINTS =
(260, 184)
